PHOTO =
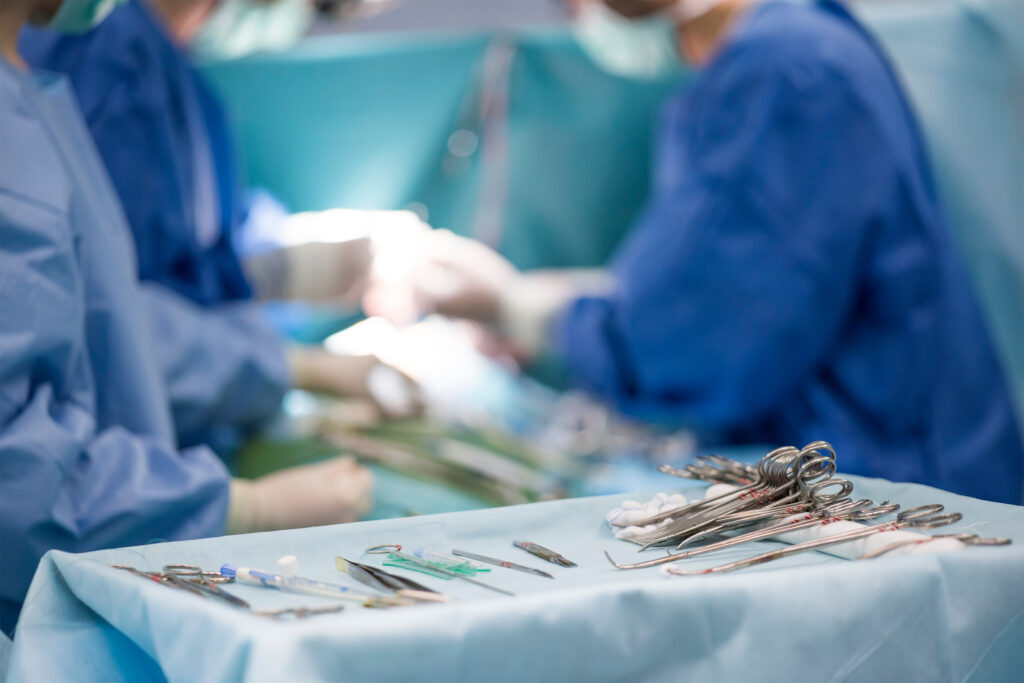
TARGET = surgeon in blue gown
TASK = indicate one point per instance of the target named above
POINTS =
(791, 278)
(88, 457)
(165, 141)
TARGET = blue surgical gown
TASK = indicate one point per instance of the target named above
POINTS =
(164, 139)
(792, 278)
(87, 452)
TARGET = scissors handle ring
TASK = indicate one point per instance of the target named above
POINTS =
(885, 508)
(384, 549)
(932, 521)
(817, 491)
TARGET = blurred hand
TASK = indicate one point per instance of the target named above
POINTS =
(329, 254)
(332, 492)
(366, 377)
(334, 272)
(451, 275)
(463, 278)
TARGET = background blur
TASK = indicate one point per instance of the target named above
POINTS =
(484, 117)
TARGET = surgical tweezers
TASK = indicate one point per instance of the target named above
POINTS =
(385, 581)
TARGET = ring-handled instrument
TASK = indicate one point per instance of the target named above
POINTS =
(191, 578)
(501, 563)
(923, 517)
(543, 553)
(844, 510)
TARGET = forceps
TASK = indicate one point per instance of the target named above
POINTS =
(923, 517)
(775, 474)
(715, 468)
(385, 581)
(801, 476)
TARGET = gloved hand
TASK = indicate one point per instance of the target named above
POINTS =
(326, 256)
(366, 377)
(324, 272)
(332, 492)
(329, 272)
(463, 278)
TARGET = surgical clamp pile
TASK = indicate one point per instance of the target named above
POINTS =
(788, 490)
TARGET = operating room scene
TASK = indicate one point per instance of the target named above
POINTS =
(473, 339)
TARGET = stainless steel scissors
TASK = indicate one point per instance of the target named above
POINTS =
(191, 578)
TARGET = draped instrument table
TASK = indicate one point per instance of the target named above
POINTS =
(951, 616)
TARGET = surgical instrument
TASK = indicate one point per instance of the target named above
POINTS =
(776, 469)
(189, 578)
(453, 562)
(382, 580)
(966, 539)
(412, 559)
(298, 584)
(843, 510)
(787, 477)
(206, 582)
(501, 563)
(715, 468)
(544, 553)
(923, 517)
(298, 612)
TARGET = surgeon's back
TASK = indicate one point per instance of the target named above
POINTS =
(793, 278)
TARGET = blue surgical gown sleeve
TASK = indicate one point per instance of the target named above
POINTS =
(224, 367)
(66, 482)
(144, 103)
(734, 282)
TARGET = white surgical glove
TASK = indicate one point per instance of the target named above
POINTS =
(327, 256)
(318, 272)
(332, 492)
(463, 278)
(393, 393)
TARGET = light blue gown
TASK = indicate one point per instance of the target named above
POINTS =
(164, 140)
(87, 450)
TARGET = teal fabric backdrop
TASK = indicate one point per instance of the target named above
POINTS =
(360, 122)
(579, 149)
